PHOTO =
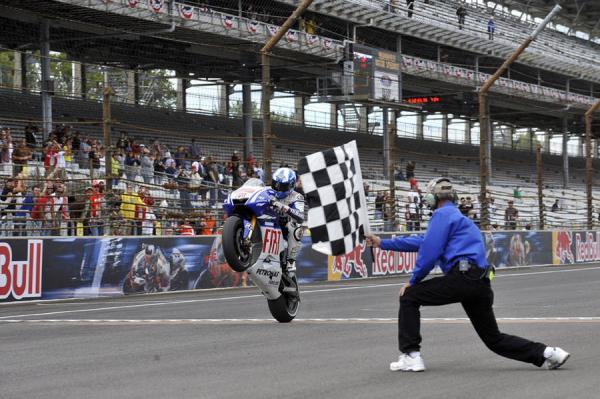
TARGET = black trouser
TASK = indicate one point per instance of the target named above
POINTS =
(476, 297)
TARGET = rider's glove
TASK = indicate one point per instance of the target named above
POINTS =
(279, 208)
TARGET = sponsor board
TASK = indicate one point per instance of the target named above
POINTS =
(570, 247)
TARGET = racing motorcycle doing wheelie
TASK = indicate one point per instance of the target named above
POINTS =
(253, 242)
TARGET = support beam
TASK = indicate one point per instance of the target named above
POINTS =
(363, 119)
(420, 121)
(445, 123)
(468, 128)
(299, 109)
(386, 143)
(565, 152)
(182, 85)
(333, 117)
(589, 171)
(484, 172)
(20, 71)
(547, 138)
(224, 100)
(247, 120)
(76, 84)
(133, 83)
(47, 89)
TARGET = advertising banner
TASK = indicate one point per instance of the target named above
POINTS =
(569, 247)
(111, 266)
(504, 249)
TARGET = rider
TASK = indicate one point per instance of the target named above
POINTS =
(147, 265)
(290, 206)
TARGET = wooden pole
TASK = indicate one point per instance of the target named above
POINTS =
(484, 117)
(589, 172)
(267, 89)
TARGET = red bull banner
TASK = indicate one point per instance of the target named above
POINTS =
(503, 249)
(364, 261)
(570, 247)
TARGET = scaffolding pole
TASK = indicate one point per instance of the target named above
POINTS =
(267, 89)
(106, 119)
(484, 152)
(589, 176)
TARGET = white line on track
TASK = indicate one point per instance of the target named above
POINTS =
(304, 292)
(443, 320)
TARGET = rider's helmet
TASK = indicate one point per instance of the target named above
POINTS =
(177, 258)
(283, 182)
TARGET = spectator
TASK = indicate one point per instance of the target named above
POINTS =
(180, 157)
(511, 214)
(31, 136)
(208, 224)
(399, 176)
(195, 181)
(20, 157)
(194, 150)
(51, 156)
(185, 228)
(366, 189)
(5, 146)
(413, 184)
(415, 214)
(183, 184)
(491, 28)
(22, 223)
(8, 204)
(123, 143)
(517, 193)
(213, 178)
(129, 201)
(147, 166)
(132, 166)
(410, 4)
(388, 212)
(60, 204)
(462, 206)
(142, 208)
(408, 218)
(36, 218)
(84, 153)
(410, 170)
(461, 12)
(379, 200)
(555, 206)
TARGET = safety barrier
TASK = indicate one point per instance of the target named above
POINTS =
(68, 267)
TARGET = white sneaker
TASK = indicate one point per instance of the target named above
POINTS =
(407, 363)
(557, 358)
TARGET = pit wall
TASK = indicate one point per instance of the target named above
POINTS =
(53, 268)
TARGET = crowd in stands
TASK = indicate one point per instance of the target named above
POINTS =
(58, 202)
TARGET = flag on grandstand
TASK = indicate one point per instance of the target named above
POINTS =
(186, 12)
(252, 26)
(337, 207)
(312, 39)
(133, 3)
(291, 36)
(203, 9)
(327, 44)
(272, 29)
(156, 5)
(227, 21)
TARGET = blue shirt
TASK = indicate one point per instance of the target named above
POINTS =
(450, 238)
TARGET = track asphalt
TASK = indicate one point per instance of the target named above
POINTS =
(223, 344)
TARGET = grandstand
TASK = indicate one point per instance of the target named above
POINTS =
(115, 43)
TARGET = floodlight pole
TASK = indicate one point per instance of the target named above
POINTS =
(588, 162)
(267, 89)
(484, 116)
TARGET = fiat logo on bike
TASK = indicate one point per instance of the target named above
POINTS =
(272, 241)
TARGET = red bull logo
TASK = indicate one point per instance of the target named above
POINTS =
(21, 278)
(562, 247)
(587, 250)
(392, 262)
(344, 264)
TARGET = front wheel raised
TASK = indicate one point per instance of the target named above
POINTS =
(232, 239)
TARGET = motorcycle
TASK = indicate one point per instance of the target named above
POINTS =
(253, 242)
(149, 272)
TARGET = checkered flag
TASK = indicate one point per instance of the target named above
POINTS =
(337, 214)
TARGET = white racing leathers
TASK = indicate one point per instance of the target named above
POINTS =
(295, 216)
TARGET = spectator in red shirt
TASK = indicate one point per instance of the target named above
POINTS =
(186, 229)
(36, 218)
